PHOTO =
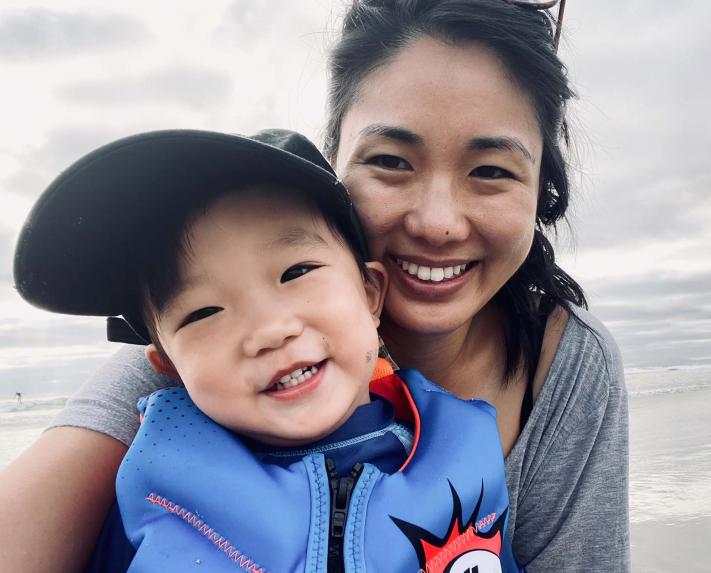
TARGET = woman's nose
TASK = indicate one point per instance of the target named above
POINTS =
(272, 329)
(437, 215)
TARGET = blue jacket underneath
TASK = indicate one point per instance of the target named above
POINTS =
(191, 494)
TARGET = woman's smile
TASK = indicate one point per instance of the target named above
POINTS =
(430, 280)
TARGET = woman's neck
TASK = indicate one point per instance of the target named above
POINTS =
(468, 361)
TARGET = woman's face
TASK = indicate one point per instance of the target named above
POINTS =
(441, 152)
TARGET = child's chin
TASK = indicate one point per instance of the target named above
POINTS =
(301, 437)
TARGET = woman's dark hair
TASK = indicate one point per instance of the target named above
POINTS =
(375, 31)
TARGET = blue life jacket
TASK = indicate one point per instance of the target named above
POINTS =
(194, 498)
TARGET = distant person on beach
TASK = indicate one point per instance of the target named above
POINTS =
(447, 124)
(18, 397)
(271, 324)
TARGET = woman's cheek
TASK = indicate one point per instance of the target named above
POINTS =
(510, 233)
(380, 213)
(376, 199)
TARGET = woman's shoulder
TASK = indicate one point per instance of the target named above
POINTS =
(587, 340)
(586, 371)
(584, 383)
(129, 365)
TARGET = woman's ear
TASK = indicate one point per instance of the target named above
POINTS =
(375, 288)
(160, 364)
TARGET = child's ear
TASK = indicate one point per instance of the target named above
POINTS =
(375, 288)
(160, 364)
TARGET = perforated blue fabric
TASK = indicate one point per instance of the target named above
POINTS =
(191, 493)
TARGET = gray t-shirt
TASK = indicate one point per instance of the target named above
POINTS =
(567, 472)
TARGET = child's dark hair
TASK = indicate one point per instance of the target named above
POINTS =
(158, 272)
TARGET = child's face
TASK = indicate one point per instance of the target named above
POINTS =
(268, 291)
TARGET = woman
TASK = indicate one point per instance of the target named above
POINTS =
(445, 121)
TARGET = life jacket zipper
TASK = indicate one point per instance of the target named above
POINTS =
(341, 490)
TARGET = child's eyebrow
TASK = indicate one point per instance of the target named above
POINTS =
(297, 237)
(290, 238)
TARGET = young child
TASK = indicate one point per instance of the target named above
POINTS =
(240, 263)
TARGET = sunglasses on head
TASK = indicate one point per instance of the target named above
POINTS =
(545, 5)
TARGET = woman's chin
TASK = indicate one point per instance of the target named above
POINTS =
(426, 318)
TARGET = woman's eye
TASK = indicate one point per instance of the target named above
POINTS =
(491, 172)
(297, 271)
(200, 314)
(389, 162)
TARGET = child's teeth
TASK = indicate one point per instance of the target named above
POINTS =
(296, 377)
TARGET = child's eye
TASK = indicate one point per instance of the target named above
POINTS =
(389, 162)
(491, 172)
(200, 314)
(297, 271)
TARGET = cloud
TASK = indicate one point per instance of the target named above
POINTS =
(53, 330)
(655, 285)
(254, 24)
(194, 87)
(7, 249)
(40, 33)
(644, 128)
(631, 210)
(657, 318)
(39, 165)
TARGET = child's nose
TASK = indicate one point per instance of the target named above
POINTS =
(271, 333)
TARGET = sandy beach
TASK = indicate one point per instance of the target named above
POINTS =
(670, 471)
(670, 547)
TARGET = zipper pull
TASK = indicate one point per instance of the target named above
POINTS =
(356, 471)
(341, 490)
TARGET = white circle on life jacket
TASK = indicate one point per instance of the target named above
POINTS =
(477, 561)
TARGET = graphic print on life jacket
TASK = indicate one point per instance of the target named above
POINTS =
(464, 548)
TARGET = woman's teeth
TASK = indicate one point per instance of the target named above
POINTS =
(298, 376)
(434, 274)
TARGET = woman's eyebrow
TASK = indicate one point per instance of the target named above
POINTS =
(391, 132)
(476, 143)
(505, 143)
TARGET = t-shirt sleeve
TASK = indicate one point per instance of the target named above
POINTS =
(572, 512)
(107, 402)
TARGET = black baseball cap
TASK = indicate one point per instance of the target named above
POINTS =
(77, 249)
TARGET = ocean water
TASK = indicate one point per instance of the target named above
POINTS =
(670, 444)
(22, 423)
(670, 469)
(670, 462)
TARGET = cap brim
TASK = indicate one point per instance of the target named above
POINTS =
(75, 248)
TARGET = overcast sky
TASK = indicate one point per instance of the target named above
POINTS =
(76, 74)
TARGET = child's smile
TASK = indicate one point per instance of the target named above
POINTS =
(272, 325)
(295, 378)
